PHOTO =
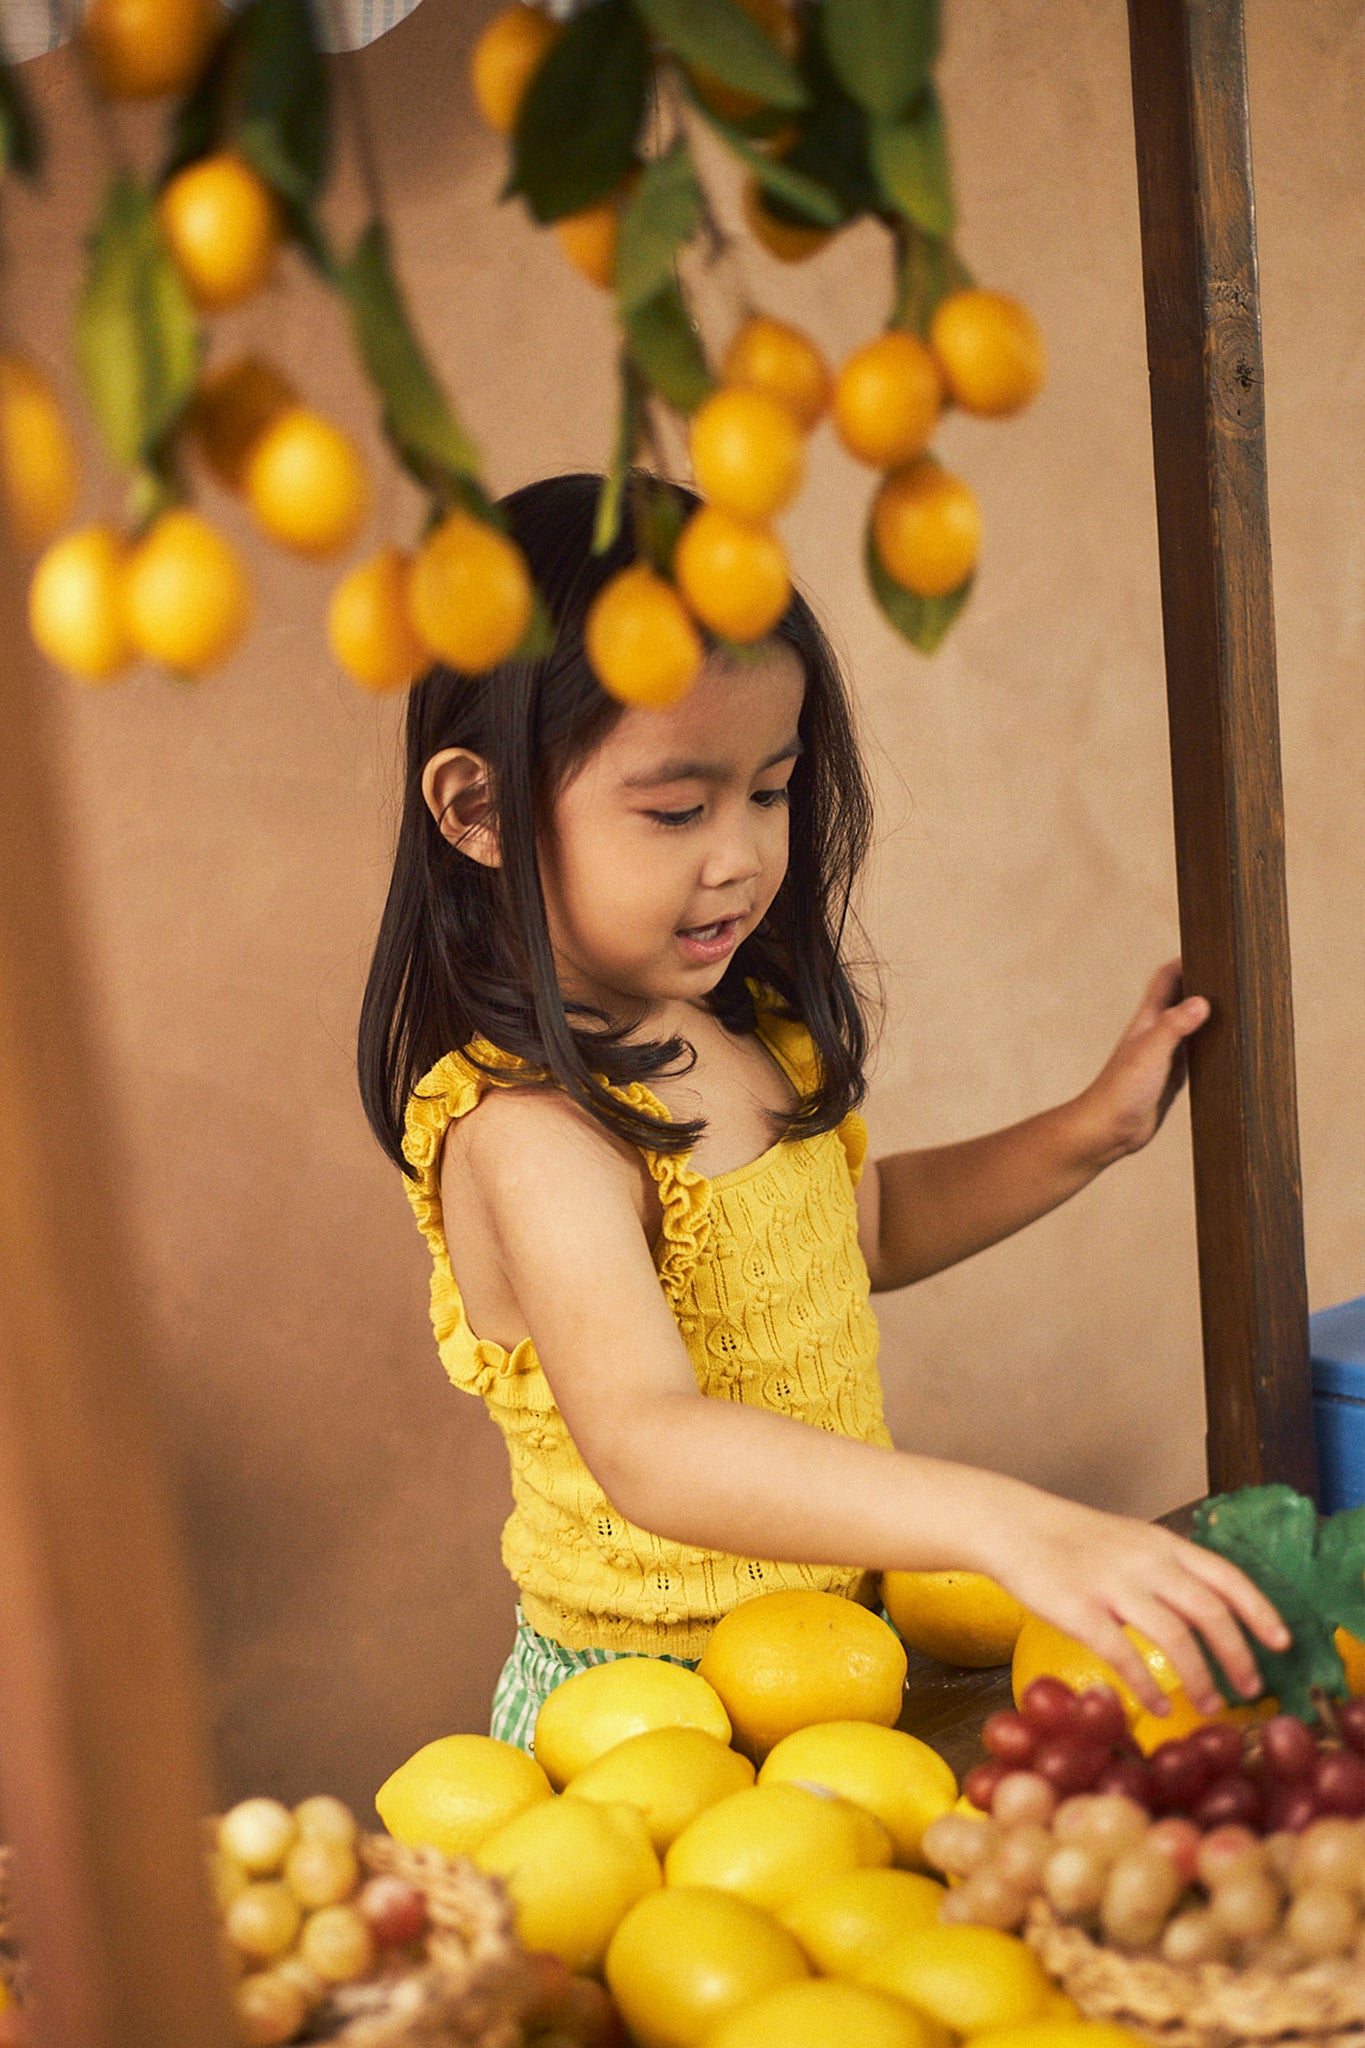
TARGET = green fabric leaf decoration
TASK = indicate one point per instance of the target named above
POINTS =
(630, 419)
(722, 39)
(576, 133)
(665, 344)
(284, 127)
(922, 621)
(418, 418)
(662, 217)
(21, 138)
(881, 50)
(806, 196)
(910, 159)
(137, 337)
(1314, 1575)
(927, 269)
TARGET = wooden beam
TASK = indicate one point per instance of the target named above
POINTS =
(103, 1755)
(1208, 436)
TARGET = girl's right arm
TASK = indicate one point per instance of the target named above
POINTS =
(565, 1203)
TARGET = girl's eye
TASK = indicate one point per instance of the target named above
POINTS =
(771, 798)
(676, 817)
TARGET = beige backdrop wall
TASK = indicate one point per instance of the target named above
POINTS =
(341, 1503)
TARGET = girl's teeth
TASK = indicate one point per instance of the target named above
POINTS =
(707, 931)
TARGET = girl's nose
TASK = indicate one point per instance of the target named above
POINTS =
(734, 856)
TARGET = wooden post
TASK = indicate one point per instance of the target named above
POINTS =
(1208, 435)
(103, 1770)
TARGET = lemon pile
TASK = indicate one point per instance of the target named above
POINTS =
(736, 1849)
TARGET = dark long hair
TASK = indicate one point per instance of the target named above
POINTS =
(464, 950)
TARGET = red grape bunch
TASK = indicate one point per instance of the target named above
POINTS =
(1226, 1845)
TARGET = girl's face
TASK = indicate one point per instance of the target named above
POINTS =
(669, 843)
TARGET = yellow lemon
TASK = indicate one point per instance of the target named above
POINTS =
(990, 349)
(470, 594)
(572, 1869)
(767, 1842)
(748, 453)
(734, 576)
(643, 647)
(1151, 1730)
(927, 528)
(608, 1703)
(1064, 2030)
(893, 1775)
(768, 355)
(823, 2014)
(791, 241)
(784, 1660)
(843, 1923)
(1044, 1651)
(961, 1618)
(589, 240)
(970, 1978)
(306, 483)
(681, 1960)
(369, 629)
(222, 226)
(887, 399)
(1352, 1653)
(185, 593)
(37, 455)
(75, 608)
(671, 1774)
(504, 61)
(231, 409)
(143, 48)
(453, 1793)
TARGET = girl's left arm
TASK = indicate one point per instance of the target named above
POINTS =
(921, 1211)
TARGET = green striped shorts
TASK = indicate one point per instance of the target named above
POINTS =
(535, 1667)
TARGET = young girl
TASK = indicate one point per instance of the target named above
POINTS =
(610, 1038)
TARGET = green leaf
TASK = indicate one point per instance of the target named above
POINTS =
(576, 133)
(199, 122)
(661, 218)
(910, 160)
(659, 514)
(284, 127)
(721, 38)
(1312, 1575)
(418, 418)
(832, 145)
(922, 621)
(804, 195)
(607, 524)
(927, 269)
(539, 638)
(137, 337)
(21, 139)
(664, 342)
(881, 50)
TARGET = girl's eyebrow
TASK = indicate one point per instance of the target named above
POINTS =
(704, 771)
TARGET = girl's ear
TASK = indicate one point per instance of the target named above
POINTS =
(458, 788)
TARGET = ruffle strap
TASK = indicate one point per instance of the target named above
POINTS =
(684, 1195)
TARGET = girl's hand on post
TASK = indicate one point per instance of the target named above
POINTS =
(1093, 1574)
(1127, 1101)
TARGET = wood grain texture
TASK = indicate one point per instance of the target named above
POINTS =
(1208, 435)
(103, 1785)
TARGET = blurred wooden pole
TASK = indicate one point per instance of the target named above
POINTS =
(103, 1777)
(1208, 436)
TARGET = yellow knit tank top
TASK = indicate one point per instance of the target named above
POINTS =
(762, 1270)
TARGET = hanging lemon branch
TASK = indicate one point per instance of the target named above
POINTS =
(830, 109)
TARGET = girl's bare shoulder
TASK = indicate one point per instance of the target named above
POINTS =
(523, 1137)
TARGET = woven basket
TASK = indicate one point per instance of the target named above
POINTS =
(1204, 2005)
(470, 1990)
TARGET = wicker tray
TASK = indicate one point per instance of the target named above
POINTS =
(470, 1991)
(1205, 2005)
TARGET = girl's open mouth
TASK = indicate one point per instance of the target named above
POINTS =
(704, 943)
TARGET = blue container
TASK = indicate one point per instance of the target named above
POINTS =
(1337, 1344)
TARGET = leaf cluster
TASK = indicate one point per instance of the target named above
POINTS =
(1312, 1572)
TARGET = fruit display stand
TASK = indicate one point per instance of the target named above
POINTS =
(103, 1771)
